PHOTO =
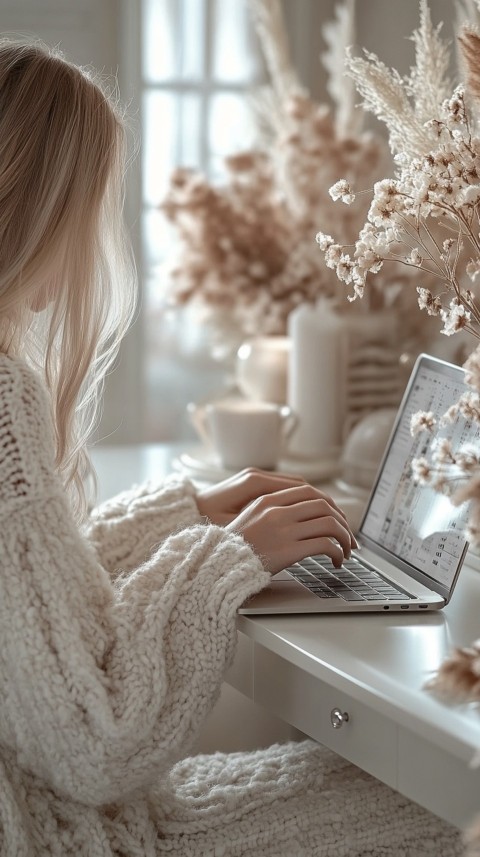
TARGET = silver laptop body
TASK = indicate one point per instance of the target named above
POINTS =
(411, 542)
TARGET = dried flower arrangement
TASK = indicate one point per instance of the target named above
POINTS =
(428, 218)
(246, 247)
(424, 218)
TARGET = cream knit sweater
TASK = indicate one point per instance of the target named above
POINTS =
(113, 645)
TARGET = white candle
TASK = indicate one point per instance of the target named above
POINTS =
(316, 388)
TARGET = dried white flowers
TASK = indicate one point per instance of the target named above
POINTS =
(427, 218)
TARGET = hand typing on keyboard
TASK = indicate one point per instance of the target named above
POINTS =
(282, 517)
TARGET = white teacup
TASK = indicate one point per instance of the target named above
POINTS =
(244, 433)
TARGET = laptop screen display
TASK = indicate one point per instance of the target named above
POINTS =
(411, 521)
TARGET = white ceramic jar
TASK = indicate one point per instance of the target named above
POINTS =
(261, 368)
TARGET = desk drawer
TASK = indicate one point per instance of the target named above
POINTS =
(367, 739)
(437, 780)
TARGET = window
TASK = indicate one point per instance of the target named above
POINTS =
(199, 63)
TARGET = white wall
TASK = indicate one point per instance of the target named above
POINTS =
(84, 29)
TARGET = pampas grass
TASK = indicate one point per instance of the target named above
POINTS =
(405, 104)
(429, 82)
(384, 94)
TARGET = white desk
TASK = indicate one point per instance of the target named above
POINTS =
(371, 666)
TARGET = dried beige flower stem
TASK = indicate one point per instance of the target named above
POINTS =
(406, 105)
(339, 35)
(430, 72)
(421, 225)
(383, 94)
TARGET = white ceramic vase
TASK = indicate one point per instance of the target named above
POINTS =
(261, 368)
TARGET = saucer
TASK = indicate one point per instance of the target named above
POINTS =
(203, 463)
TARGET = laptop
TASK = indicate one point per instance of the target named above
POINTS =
(411, 538)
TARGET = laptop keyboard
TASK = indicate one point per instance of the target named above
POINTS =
(352, 582)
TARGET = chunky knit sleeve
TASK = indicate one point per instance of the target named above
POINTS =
(104, 683)
(125, 529)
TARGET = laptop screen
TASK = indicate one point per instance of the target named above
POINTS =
(412, 522)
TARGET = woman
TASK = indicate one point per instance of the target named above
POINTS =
(116, 629)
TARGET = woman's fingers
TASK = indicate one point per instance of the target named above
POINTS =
(223, 501)
(326, 526)
(267, 483)
(308, 505)
(321, 494)
(322, 545)
(289, 525)
(273, 477)
(258, 482)
(284, 518)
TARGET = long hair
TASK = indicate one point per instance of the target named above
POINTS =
(67, 281)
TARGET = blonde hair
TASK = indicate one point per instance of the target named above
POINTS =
(67, 283)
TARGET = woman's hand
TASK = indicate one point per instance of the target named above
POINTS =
(221, 503)
(283, 518)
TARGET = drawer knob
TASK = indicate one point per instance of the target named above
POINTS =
(338, 718)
